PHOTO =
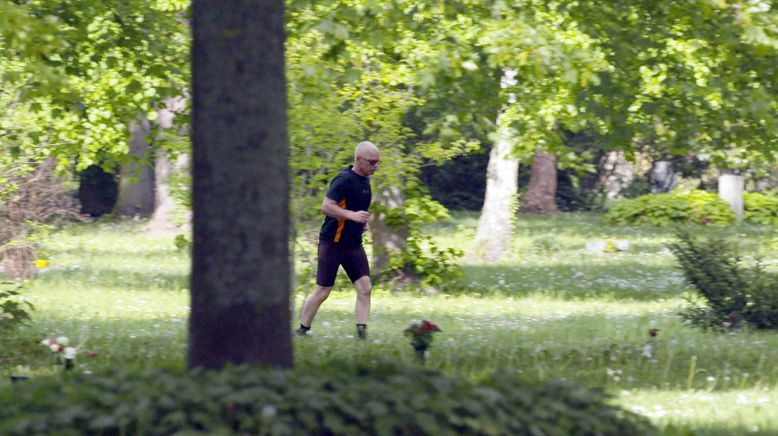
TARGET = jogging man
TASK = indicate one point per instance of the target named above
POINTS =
(340, 239)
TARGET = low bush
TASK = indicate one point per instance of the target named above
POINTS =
(384, 399)
(760, 208)
(733, 294)
(693, 207)
(14, 308)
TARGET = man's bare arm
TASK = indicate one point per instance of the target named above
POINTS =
(330, 208)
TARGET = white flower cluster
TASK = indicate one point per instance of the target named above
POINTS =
(60, 345)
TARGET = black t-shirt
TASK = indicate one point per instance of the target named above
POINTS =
(351, 191)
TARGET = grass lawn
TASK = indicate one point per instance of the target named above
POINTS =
(553, 309)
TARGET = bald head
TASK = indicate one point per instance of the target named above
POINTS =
(366, 158)
(365, 147)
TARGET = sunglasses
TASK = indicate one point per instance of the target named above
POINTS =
(372, 162)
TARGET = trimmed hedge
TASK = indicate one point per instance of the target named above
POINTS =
(694, 207)
(342, 399)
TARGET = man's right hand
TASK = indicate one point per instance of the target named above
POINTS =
(360, 216)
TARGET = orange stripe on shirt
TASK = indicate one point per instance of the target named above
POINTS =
(341, 223)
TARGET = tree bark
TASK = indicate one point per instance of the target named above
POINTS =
(136, 180)
(540, 197)
(389, 238)
(495, 225)
(240, 281)
(164, 204)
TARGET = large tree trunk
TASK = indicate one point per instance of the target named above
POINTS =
(241, 269)
(495, 225)
(540, 197)
(136, 180)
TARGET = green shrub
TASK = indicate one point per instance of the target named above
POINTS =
(14, 308)
(760, 208)
(734, 295)
(433, 265)
(694, 207)
(383, 399)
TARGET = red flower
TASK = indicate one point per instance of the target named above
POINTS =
(92, 354)
(426, 325)
(421, 333)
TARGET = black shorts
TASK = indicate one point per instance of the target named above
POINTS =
(332, 255)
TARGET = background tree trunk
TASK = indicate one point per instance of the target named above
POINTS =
(495, 225)
(136, 199)
(241, 269)
(164, 204)
(389, 238)
(540, 197)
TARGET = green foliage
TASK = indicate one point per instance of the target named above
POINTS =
(733, 295)
(760, 208)
(693, 207)
(14, 308)
(699, 80)
(32, 39)
(433, 265)
(180, 188)
(182, 243)
(114, 61)
(381, 398)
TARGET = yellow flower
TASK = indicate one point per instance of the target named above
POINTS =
(41, 263)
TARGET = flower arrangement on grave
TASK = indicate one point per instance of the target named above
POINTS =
(421, 337)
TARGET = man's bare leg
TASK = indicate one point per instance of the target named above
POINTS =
(362, 309)
(311, 305)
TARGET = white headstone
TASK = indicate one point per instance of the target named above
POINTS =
(731, 190)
